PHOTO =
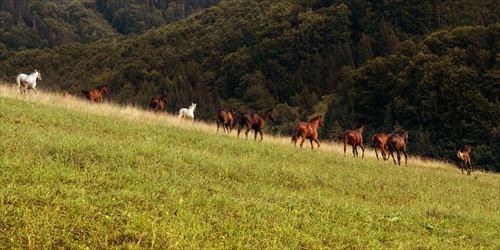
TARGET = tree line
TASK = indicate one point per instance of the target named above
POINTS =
(429, 67)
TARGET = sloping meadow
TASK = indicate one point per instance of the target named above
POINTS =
(77, 175)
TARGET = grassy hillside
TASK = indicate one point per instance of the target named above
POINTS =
(77, 175)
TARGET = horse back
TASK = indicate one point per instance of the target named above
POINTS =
(222, 116)
(395, 142)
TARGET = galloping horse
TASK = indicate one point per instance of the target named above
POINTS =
(188, 112)
(379, 141)
(224, 118)
(157, 103)
(353, 138)
(95, 94)
(308, 130)
(397, 142)
(255, 122)
(464, 159)
(27, 82)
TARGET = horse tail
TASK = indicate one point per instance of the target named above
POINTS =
(295, 135)
(341, 136)
(18, 80)
(374, 141)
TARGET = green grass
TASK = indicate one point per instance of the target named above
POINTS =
(76, 175)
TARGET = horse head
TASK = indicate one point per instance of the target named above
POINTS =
(103, 89)
(320, 117)
(192, 107)
(272, 116)
(37, 74)
(405, 136)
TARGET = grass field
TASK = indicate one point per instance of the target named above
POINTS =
(81, 176)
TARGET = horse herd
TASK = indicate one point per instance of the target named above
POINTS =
(387, 143)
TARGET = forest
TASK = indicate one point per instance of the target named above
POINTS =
(429, 67)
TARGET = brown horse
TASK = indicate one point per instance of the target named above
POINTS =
(255, 122)
(95, 94)
(308, 130)
(379, 141)
(464, 160)
(157, 103)
(355, 139)
(397, 143)
(224, 118)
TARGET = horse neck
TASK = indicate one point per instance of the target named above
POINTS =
(265, 115)
(314, 124)
(359, 130)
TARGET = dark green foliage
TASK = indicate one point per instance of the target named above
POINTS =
(439, 90)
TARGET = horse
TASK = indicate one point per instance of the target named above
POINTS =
(27, 82)
(95, 94)
(255, 122)
(379, 141)
(397, 143)
(353, 138)
(464, 160)
(157, 103)
(308, 130)
(188, 112)
(224, 118)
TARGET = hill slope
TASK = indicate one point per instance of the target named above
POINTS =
(77, 175)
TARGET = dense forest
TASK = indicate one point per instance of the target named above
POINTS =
(430, 67)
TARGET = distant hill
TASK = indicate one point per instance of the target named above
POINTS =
(29, 24)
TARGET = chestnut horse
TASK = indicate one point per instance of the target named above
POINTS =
(308, 130)
(355, 139)
(224, 118)
(379, 141)
(397, 143)
(464, 160)
(255, 122)
(95, 94)
(157, 103)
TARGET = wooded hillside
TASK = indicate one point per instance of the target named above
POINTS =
(430, 67)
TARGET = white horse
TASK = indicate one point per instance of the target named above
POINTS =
(188, 112)
(27, 82)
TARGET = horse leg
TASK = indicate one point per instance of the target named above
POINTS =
(239, 129)
(363, 148)
(261, 135)
(406, 157)
(376, 153)
(218, 124)
(392, 154)
(355, 150)
(303, 138)
(345, 147)
(399, 157)
(317, 141)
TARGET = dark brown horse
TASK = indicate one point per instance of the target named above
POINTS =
(95, 94)
(224, 118)
(308, 130)
(464, 160)
(158, 103)
(353, 138)
(397, 143)
(379, 141)
(255, 122)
